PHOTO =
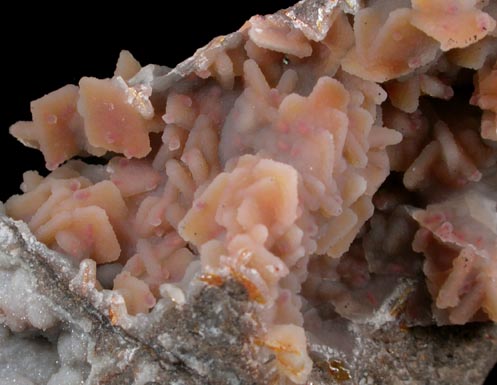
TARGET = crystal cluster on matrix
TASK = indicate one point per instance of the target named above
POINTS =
(267, 165)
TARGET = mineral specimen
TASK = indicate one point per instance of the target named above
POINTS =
(272, 210)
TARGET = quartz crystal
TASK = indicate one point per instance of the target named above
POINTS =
(288, 206)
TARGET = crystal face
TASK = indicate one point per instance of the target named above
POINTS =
(318, 175)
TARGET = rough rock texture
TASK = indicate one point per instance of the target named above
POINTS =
(429, 355)
(202, 340)
(208, 340)
(206, 328)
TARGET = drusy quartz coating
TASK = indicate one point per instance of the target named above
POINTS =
(300, 201)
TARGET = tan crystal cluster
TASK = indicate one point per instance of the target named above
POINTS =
(265, 161)
(459, 239)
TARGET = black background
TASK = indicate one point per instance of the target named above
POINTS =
(44, 49)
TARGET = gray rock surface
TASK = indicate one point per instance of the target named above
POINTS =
(210, 339)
